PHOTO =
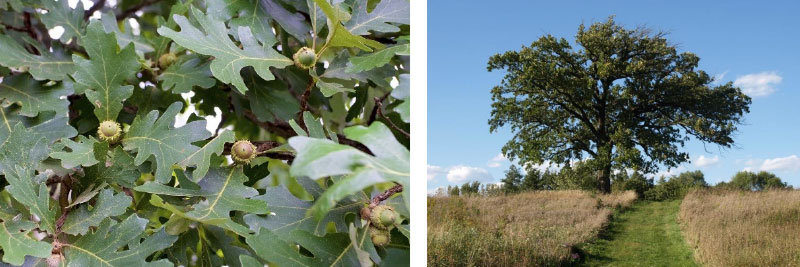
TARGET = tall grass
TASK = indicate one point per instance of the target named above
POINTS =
(736, 228)
(533, 228)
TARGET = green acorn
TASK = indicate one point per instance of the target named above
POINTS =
(383, 217)
(109, 131)
(305, 58)
(166, 59)
(380, 237)
(243, 151)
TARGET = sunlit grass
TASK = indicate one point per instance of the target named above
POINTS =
(535, 228)
(735, 228)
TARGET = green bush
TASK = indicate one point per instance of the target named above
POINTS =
(676, 187)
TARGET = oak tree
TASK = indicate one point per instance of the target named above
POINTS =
(621, 98)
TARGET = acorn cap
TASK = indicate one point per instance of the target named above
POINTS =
(305, 58)
(243, 151)
(383, 217)
(166, 59)
(109, 131)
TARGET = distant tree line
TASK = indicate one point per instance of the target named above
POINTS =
(579, 176)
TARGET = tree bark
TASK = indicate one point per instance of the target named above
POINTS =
(604, 179)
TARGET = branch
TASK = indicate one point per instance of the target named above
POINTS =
(280, 128)
(97, 6)
(133, 9)
(385, 195)
(379, 108)
(375, 108)
(304, 103)
(261, 148)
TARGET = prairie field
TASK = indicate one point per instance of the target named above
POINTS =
(533, 228)
(739, 228)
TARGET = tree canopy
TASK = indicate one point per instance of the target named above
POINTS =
(622, 98)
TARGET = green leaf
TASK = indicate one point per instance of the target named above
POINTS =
(161, 189)
(116, 168)
(202, 157)
(49, 124)
(20, 154)
(108, 204)
(47, 66)
(224, 191)
(339, 36)
(376, 59)
(402, 92)
(313, 125)
(101, 77)
(317, 158)
(288, 213)
(343, 188)
(16, 243)
(333, 249)
(124, 38)
(154, 136)
(117, 244)
(15, 4)
(273, 100)
(328, 89)
(387, 11)
(60, 14)
(254, 16)
(185, 74)
(33, 96)
(229, 59)
(81, 153)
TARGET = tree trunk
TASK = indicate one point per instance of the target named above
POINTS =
(604, 179)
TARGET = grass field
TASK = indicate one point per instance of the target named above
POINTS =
(646, 234)
(527, 229)
(733, 228)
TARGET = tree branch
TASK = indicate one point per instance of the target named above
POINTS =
(131, 10)
(379, 108)
(98, 4)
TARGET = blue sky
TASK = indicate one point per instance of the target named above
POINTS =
(755, 44)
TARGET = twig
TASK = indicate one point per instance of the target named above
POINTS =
(280, 128)
(261, 150)
(385, 195)
(375, 108)
(133, 9)
(97, 6)
(304, 103)
(380, 107)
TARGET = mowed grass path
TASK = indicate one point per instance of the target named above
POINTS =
(646, 234)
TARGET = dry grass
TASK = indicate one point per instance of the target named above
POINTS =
(733, 228)
(535, 228)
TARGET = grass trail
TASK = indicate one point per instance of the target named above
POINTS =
(646, 234)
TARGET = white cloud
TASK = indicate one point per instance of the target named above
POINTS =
(461, 174)
(668, 173)
(497, 160)
(758, 84)
(790, 163)
(704, 161)
(434, 171)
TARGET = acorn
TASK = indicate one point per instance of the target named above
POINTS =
(109, 131)
(305, 58)
(166, 59)
(380, 237)
(383, 217)
(243, 151)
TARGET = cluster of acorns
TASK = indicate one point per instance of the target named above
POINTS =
(382, 219)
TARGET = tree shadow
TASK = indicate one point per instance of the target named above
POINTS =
(593, 252)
